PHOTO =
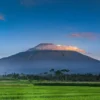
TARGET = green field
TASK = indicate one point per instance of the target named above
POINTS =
(13, 90)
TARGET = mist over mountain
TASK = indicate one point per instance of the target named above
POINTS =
(45, 56)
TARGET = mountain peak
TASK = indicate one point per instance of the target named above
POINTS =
(42, 44)
(51, 46)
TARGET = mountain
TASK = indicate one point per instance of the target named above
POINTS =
(50, 46)
(45, 56)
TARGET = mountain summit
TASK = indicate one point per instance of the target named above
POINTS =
(51, 46)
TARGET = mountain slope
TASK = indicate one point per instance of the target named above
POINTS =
(37, 61)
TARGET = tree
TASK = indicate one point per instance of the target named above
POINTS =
(45, 73)
(58, 74)
(65, 71)
(52, 70)
(52, 73)
(15, 76)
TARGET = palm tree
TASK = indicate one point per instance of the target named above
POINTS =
(64, 71)
(58, 73)
(52, 72)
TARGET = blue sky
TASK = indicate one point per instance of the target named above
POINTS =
(26, 23)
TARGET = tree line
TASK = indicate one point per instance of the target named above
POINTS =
(53, 75)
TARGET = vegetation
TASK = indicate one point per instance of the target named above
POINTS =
(23, 90)
(53, 75)
(52, 85)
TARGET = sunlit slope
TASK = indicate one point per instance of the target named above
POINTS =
(51, 46)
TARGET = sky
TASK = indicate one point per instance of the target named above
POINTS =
(26, 23)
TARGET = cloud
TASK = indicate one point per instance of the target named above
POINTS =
(85, 35)
(2, 17)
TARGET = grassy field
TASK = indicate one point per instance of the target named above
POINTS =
(14, 90)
